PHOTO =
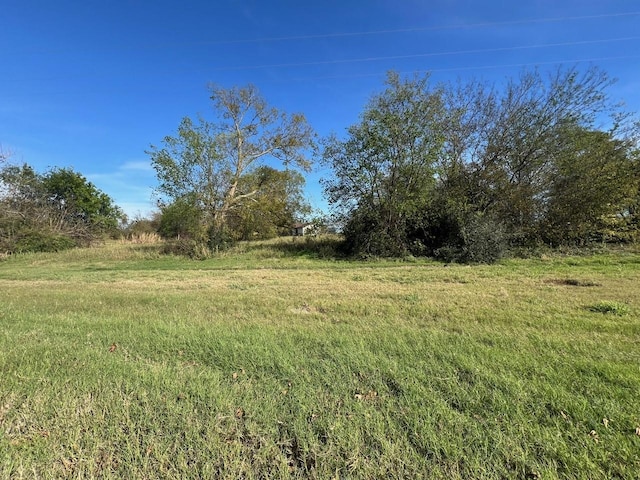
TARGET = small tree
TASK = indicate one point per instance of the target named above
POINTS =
(78, 202)
(278, 201)
(593, 183)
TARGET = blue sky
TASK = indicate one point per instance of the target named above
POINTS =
(91, 84)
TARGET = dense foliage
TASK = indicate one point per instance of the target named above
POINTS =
(277, 204)
(460, 172)
(52, 211)
(465, 171)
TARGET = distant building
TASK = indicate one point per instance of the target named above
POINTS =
(300, 229)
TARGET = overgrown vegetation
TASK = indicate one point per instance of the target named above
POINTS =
(270, 362)
(53, 211)
(466, 171)
(462, 172)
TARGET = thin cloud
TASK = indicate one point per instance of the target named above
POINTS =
(138, 166)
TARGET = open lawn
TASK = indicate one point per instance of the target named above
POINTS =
(116, 362)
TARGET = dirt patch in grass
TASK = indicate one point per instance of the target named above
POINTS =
(573, 282)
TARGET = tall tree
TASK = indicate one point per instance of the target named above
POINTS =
(526, 130)
(208, 160)
(506, 150)
(385, 169)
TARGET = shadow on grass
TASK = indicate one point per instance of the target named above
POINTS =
(326, 247)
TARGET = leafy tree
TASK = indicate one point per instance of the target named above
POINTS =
(79, 202)
(384, 171)
(531, 158)
(52, 211)
(277, 204)
(463, 170)
(593, 182)
(632, 212)
(22, 205)
(207, 160)
(526, 129)
(21, 185)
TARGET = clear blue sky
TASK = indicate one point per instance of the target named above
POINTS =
(91, 84)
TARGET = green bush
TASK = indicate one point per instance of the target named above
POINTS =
(40, 241)
(483, 240)
(464, 237)
(370, 233)
(143, 226)
(219, 239)
(182, 219)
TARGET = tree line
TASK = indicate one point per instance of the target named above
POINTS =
(466, 171)
(52, 211)
(459, 171)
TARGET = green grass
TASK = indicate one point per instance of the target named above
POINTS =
(272, 361)
(614, 308)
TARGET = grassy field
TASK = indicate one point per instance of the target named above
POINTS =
(117, 362)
